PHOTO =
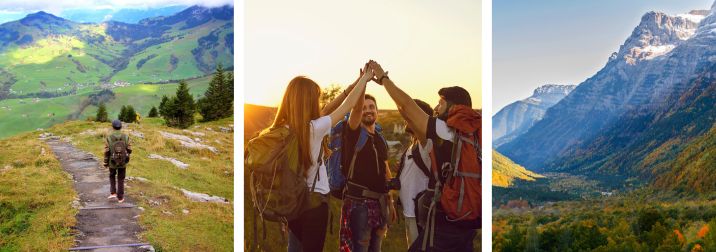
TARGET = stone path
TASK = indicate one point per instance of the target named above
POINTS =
(100, 222)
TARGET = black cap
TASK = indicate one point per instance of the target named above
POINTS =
(116, 124)
(456, 95)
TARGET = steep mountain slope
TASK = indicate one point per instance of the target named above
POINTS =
(694, 167)
(504, 171)
(655, 62)
(515, 119)
(657, 145)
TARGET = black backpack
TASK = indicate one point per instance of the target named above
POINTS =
(118, 145)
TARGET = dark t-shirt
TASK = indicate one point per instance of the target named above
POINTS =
(369, 170)
(442, 138)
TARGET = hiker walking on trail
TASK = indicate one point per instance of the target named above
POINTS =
(290, 154)
(117, 150)
(449, 212)
(413, 175)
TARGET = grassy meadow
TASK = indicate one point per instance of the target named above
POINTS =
(21, 115)
(36, 197)
(206, 226)
(36, 194)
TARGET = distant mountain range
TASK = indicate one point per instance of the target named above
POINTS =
(126, 15)
(516, 118)
(42, 55)
(647, 114)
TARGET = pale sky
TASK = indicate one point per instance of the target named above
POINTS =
(425, 45)
(57, 6)
(562, 41)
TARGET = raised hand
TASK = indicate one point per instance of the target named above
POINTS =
(378, 71)
(367, 73)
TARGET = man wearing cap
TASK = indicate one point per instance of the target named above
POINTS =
(446, 234)
(116, 156)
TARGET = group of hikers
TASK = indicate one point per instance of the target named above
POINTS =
(310, 154)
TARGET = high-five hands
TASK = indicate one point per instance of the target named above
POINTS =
(378, 72)
(367, 73)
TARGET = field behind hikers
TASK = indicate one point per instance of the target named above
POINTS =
(171, 221)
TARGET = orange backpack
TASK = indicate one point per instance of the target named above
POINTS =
(461, 194)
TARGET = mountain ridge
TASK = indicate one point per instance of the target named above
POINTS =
(517, 117)
(632, 80)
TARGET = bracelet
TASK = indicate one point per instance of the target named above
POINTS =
(382, 77)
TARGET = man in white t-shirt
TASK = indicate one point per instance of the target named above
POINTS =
(413, 171)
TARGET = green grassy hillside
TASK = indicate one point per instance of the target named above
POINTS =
(36, 194)
(43, 55)
(29, 114)
(504, 171)
(36, 197)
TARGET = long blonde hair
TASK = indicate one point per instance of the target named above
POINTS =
(298, 107)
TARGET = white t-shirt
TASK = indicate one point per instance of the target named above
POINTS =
(320, 128)
(412, 179)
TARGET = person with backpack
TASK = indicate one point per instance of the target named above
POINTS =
(413, 175)
(117, 150)
(288, 180)
(449, 212)
(367, 206)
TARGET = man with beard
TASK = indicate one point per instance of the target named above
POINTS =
(367, 206)
(455, 134)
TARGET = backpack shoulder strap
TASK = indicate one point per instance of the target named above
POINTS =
(401, 163)
(362, 139)
(418, 159)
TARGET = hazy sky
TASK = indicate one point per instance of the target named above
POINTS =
(425, 45)
(562, 41)
(14, 10)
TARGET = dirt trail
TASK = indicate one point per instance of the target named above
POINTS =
(100, 221)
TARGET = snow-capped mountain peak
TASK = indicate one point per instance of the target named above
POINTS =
(657, 34)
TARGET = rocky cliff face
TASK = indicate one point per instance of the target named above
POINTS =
(656, 62)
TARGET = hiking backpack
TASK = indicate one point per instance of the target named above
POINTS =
(336, 178)
(278, 187)
(118, 144)
(460, 195)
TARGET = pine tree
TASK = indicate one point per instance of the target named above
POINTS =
(102, 113)
(167, 111)
(229, 97)
(122, 114)
(162, 106)
(217, 102)
(153, 112)
(131, 115)
(179, 110)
